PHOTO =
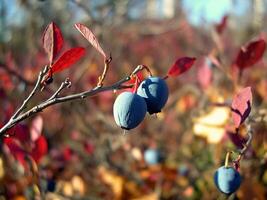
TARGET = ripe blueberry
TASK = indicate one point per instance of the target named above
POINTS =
(155, 91)
(129, 110)
(227, 179)
(152, 156)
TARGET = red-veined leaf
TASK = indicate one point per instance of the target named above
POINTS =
(241, 106)
(181, 65)
(40, 148)
(251, 54)
(88, 34)
(67, 59)
(222, 25)
(52, 41)
(36, 128)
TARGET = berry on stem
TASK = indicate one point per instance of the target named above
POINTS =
(129, 110)
(227, 179)
(155, 92)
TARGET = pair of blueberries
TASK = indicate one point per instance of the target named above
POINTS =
(129, 108)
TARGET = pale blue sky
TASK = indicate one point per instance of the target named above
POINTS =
(211, 11)
(198, 11)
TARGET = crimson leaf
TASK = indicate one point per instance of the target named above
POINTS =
(222, 25)
(15, 149)
(181, 65)
(40, 149)
(67, 59)
(88, 34)
(52, 41)
(251, 54)
(241, 106)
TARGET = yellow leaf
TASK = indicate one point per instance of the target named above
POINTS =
(2, 170)
(211, 125)
(152, 196)
(78, 185)
(115, 181)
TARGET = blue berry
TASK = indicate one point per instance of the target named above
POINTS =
(129, 110)
(152, 156)
(155, 91)
(227, 179)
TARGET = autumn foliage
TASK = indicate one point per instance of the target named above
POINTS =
(210, 120)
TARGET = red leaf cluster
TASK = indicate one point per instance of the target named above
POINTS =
(251, 54)
(241, 106)
(23, 138)
(181, 65)
(53, 43)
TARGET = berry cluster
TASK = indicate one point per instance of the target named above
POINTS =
(130, 108)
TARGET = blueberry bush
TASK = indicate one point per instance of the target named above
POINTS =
(96, 105)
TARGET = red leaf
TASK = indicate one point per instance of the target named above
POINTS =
(21, 132)
(15, 149)
(222, 25)
(67, 153)
(88, 147)
(40, 149)
(68, 58)
(52, 41)
(36, 128)
(88, 34)
(181, 65)
(250, 54)
(241, 106)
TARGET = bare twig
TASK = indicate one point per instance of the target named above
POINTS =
(55, 99)
(140, 68)
(65, 84)
(247, 144)
(103, 75)
(25, 102)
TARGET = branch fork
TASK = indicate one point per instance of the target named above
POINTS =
(22, 114)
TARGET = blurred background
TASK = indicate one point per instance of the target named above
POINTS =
(82, 153)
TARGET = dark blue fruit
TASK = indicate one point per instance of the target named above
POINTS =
(129, 110)
(227, 179)
(155, 91)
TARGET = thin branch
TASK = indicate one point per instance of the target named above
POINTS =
(247, 144)
(54, 99)
(65, 84)
(25, 102)
(103, 75)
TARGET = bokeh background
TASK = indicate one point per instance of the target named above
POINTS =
(88, 156)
